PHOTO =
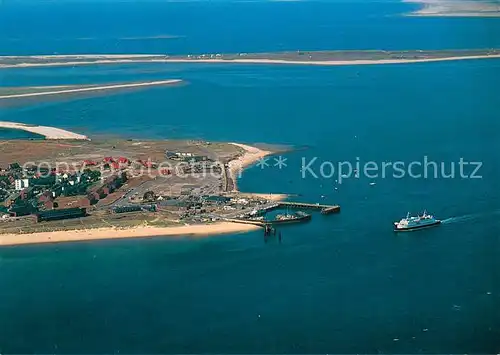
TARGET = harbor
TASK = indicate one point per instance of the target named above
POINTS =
(258, 216)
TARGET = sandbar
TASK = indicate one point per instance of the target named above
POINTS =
(93, 88)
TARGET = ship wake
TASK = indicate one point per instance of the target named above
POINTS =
(461, 219)
(469, 217)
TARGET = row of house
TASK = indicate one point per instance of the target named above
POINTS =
(108, 186)
(30, 194)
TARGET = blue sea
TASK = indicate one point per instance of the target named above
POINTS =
(339, 284)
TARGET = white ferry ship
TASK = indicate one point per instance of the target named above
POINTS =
(417, 222)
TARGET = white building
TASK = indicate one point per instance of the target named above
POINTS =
(21, 184)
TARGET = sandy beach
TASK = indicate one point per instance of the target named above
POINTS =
(251, 156)
(137, 232)
(144, 59)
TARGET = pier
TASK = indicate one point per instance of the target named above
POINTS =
(247, 221)
(325, 209)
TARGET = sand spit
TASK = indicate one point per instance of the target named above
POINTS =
(47, 132)
(94, 88)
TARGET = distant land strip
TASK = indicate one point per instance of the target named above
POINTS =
(447, 8)
(92, 88)
(325, 58)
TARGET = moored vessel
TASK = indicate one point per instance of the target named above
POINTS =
(294, 217)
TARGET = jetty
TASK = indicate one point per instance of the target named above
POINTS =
(45, 131)
(246, 221)
(324, 209)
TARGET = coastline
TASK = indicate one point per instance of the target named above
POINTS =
(145, 59)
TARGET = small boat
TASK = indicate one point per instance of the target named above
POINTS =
(418, 222)
(373, 183)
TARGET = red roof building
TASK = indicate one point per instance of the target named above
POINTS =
(46, 196)
(84, 202)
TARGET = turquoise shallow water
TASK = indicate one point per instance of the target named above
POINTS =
(343, 283)
(17, 134)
